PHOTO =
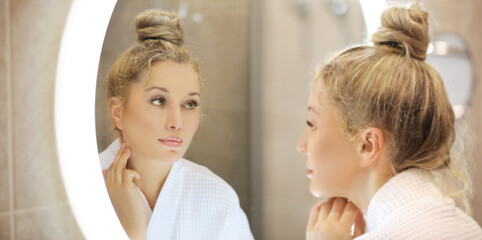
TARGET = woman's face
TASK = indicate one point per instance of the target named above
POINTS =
(162, 113)
(331, 159)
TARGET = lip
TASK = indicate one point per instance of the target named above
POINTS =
(171, 142)
(309, 173)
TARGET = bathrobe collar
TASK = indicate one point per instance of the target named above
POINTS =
(405, 187)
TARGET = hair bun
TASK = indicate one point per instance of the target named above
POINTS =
(159, 25)
(405, 29)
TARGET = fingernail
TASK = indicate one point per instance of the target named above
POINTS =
(126, 150)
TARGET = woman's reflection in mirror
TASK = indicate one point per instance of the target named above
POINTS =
(154, 99)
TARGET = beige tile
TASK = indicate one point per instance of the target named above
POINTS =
(4, 226)
(4, 138)
(210, 5)
(221, 144)
(221, 43)
(54, 222)
(36, 35)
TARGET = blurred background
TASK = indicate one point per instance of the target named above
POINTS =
(257, 58)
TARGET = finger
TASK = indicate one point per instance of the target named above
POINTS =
(112, 176)
(337, 208)
(129, 176)
(326, 208)
(349, 213)
(111, 170)
(359, 228)
(117, 156)
(121, 164)
(315, 211)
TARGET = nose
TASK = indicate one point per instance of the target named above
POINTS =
(174, 120)
(301, 145)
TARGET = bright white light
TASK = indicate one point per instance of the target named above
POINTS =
(459, 111)
(75, 119)
(182, 12)
(441, 48)
(430, 48)
(197, 17)
(339, 7)
(372, 10)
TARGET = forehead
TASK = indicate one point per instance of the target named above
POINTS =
(171, 75)
(317, 96)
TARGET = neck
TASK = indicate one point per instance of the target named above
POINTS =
(153, 174)
(370, 182)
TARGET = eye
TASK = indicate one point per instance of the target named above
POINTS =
(159, 101)
(309, 124)
(191, 105)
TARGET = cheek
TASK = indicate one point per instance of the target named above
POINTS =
(191, 122)
(324, 154)
(332, 160)
(142, 121)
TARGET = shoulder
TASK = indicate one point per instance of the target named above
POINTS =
(199, 179)
(202, 175)
(429, 218)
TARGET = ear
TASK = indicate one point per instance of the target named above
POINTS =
(370, 145)
(116, 110)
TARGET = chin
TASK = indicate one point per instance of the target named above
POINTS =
(319, 192)
(315, 191)
(170, 155)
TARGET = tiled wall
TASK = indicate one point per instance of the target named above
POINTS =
(33, 203)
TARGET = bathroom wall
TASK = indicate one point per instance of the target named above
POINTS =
(33, 203)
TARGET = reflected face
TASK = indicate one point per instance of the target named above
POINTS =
(331, 159)
(162, 113)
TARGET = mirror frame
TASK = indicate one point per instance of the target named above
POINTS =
(74, 109)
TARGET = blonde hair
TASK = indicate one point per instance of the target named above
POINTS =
(160, 37)
(389, 86)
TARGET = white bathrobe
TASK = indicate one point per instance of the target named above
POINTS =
(194, 203)
(411, 206)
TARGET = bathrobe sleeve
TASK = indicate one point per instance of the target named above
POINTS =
(236, 225)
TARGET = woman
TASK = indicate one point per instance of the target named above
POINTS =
(154, 99)
(379, 138)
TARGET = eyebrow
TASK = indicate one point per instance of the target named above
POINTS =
(167, 91)
(160, 88)
(311, 108)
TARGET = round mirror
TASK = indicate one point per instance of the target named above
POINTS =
(75, 119)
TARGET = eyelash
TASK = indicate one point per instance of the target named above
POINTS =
(194, 104)
(309, 124)
(163, 100)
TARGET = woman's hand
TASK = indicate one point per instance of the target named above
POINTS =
(333, 219)
(124, 195)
